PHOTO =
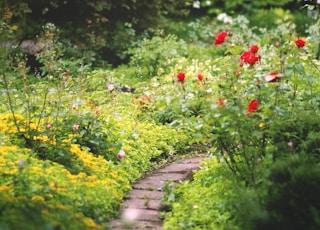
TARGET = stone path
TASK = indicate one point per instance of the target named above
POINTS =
(142, 207)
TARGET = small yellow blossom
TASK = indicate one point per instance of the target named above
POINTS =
(91, 224)
(37, 198)
(261, 124)
(4, 188)
(14, 27)
(45, 212)
(113, 175)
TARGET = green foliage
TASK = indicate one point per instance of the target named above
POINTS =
(107, 28)
(290, 200)
(241, 6)
(154, 56)
(61, 129)
(297, 132)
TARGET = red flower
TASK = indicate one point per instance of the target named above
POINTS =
(272, 77)
(200, 77)
(220, 38)
(252, 107)
(221, 102)
(249, 57)
(181, 76)
(254, 49)
(300, 43)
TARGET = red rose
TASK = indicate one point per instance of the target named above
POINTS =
(252, 107)
(181, 76)
(272, 77)
(221, 102)
(250, 58)
(254, 49)
(300, 43)
(200, 77)
(220, 38)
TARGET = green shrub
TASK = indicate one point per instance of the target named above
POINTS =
(291, 200)
(153, 57)
(297, 132)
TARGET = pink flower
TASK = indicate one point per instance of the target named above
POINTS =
(220, 38)
(98, 110)
(181, 76)
(49, 126)
(254, 49)
(290, 144)
(75, 127)
(272, 77)
(74, 106)
(252, 107)
(200, 77)
(237, 72)
(121, 154)
(300, 43)
(110, 87)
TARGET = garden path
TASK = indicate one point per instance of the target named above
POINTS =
(142, 206)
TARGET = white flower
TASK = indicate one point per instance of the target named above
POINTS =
(110, 87)
(196, 4)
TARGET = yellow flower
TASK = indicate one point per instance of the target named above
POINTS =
(49, 195)
(45, 212)
(4, 188)
(91, 224)
(62, 207)
(37, 198)
(113, 175)
(261, 124)
(14, 27)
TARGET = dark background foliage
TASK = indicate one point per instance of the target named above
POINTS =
(108, 28)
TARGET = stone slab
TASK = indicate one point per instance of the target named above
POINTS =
(142, 203)
(152, 195)
(179, 168)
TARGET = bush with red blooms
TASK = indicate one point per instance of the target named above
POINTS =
(181, 77)
(220, 38)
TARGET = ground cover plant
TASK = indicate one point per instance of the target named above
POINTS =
(73, 139)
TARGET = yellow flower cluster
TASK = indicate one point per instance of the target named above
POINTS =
(8, 123)
(92, 164)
